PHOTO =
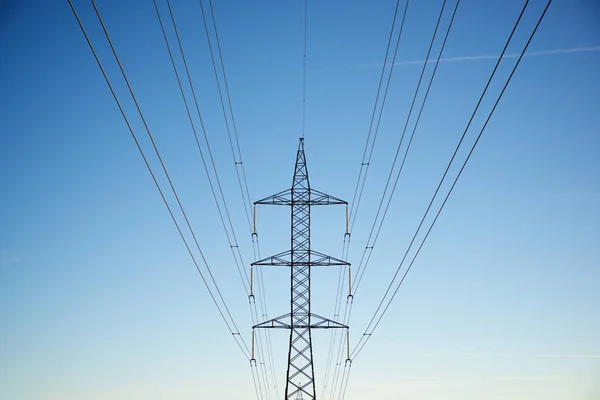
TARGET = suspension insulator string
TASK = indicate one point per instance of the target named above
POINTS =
(349, 281)
(251, 296)
(347, 232)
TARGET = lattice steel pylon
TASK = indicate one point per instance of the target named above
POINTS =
(301, 258)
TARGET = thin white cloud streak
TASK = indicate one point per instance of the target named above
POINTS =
(588, 49)
(434, 379)
(530, 377)
(511, 355)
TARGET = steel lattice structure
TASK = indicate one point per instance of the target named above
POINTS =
(300, 321)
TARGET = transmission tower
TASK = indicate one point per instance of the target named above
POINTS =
(300, 321)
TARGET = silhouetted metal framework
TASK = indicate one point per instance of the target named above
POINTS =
(300, 371)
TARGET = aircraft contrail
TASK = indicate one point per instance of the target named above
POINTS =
(495, 56)
(514, 55)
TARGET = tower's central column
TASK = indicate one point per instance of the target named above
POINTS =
(300, 357)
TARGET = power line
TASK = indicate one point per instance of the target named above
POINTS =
(366, 161)
(339, 358)
(235, 333)
(344, 384)
(197, 140)
(375, 106)
(363, 167)
(257, 387)
(336, 312)
(157, 152)
(239, 163)
(225, 117)
(233, 244)
(370, 245)
(368, 332)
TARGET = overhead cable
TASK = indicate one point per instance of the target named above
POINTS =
(368, 250)
(366, 160)
(231, 237)
(231, 326)
(372, 326)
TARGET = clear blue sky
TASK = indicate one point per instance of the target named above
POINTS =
(99, 299)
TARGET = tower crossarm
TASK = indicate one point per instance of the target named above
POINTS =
(314, 198)
(316, 260)
(285, 322)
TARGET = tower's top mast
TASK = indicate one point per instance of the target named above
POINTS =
(300, 170)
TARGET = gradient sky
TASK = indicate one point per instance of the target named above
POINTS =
(99, 300)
